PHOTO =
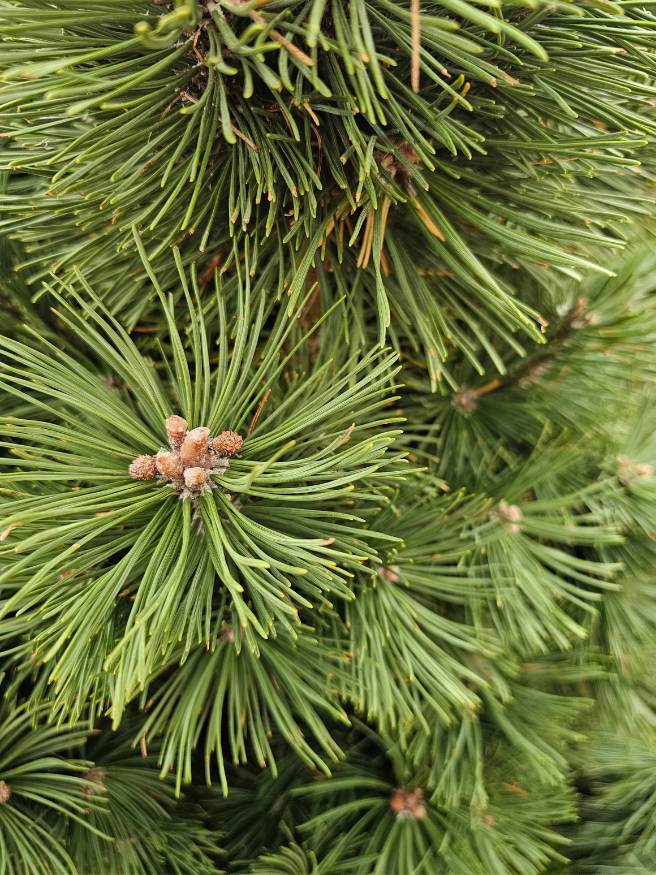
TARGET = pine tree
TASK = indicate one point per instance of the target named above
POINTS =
(327, 467)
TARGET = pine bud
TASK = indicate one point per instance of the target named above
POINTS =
(581, 316)
(227, 443)
(629, 471)
(465, 400)
(176, 429)
(397, 801)
(143, 468)
(196, 479)
(408, 803)
(5, 792)
(534, 373)
(194, 447)
(228, 634)
(510, 513)
(95, 776)
(169, 465)
(187, 466)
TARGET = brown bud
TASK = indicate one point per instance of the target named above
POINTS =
(389, 573)
(169, 465)
(194, 447)
(408, 803)
(227, 443)
(465, 400)
(228, 634)
(581, 316)
(95, 776)
(397, 801)
(143, 468)
(416, 803)
(534, 373)
(176, 429)
(5, 792)
(195, 478)
(629, 471)
(510, 513)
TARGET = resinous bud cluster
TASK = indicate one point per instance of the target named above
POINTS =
(5, 792)
(191, 460)
(408, 803)
(630, 471)
(465, 400)
(95, 776)
(511, 515)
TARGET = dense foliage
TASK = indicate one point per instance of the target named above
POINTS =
(327, 487)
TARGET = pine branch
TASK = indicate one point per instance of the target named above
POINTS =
(142, 559)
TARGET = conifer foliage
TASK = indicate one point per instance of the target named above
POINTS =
(327, 458)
